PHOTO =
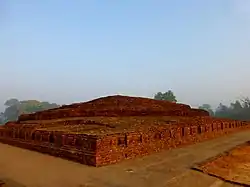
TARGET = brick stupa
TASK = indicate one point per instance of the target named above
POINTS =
(114, 128)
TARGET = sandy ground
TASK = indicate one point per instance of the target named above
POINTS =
(20, 167)
(233, 165)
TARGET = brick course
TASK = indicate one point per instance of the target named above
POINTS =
(101, 140)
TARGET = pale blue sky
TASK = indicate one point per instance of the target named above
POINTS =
(67, 51)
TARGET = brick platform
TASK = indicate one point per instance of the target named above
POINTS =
(109, 130)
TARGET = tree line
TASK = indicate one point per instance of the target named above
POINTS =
(239, 110)
(14, 108)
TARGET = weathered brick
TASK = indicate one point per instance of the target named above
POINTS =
(128, 128)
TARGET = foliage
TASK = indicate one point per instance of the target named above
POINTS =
(14, 108)
(2, 118)
(11, 102)
(167, 96)
(238, 110)
(208, 108)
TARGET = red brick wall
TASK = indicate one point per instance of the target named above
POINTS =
(113, 149)
(108, 149)
(54, 143)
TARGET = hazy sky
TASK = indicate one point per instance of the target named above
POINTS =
(67, 51)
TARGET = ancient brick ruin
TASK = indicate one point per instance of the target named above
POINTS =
(114, 128)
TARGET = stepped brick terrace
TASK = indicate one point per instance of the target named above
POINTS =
(114, 128)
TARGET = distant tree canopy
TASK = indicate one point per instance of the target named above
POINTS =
(167, 96)
(238, 110)
(2, 118)
(14, 108)
(208, 108)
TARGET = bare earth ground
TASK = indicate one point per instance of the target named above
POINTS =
(168, 168)
(233, 165)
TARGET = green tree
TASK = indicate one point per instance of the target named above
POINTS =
(14, 108)
(11, 113)
(208, 108)
(2, 118)
(238, 110)
(245, 103)
(11, 102)
(167, 96)
(30, 106)
(223, 111)
(236, 106)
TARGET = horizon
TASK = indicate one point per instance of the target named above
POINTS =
(103, 97)
(66, 52)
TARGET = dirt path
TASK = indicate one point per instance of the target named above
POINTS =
(168, 168)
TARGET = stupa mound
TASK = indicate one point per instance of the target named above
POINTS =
(117, 106)
(110, 129)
